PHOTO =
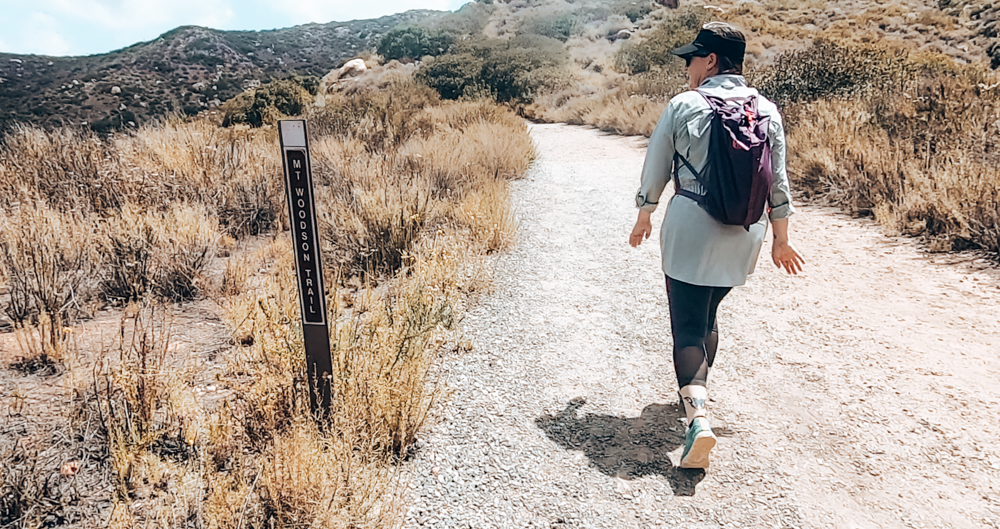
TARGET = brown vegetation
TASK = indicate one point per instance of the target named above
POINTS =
(875, 125)
(411, 192)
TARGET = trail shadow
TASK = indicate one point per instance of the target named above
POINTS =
(627, 447)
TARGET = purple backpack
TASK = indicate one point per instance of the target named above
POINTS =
(737, 174)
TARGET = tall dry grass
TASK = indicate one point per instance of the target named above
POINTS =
(397, 228)
(47, 258)
(412, 193)
(433, 167)
(924, 165)
(876, 126)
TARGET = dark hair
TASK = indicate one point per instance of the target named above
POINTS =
(727, 65)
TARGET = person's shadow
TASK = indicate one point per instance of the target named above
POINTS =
(627, 447)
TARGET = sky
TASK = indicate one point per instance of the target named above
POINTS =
(85, 27)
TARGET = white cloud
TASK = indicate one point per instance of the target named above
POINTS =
(322, 11)
(40, 33)
(141, 14)
(64, 27)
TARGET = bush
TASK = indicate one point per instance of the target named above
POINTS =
(451, 74)
(309, 82)
(187, 241)
(250, 206)
(560, 26)
(470, 19)
(653, 49)
(633, 10)
(68, 169)
(160, 253)
(380, 119)
(129, 245)
(413, 42)
(831, 70)
(267, 104)
(517, 74)
(511, 71)
(47, 257)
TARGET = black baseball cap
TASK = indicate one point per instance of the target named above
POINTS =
(709, 42)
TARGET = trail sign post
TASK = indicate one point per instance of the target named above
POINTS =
(308, 268)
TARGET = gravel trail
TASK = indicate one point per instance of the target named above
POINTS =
(861, 393)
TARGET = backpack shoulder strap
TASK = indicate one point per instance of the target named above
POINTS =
(714, 102)
(679, 159)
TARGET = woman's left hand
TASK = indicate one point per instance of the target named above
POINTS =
(643, 227)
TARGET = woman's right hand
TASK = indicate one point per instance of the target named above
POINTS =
(783, 253)
(785, 256)
(643, 227)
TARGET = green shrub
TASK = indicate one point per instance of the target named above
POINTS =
(653, 49)
(451, 74)
(309, 82)
(633, 10)
(831, 70)
(267, 104)
(511, 71)
(516, 74)
(560, 26)
(470, 19)
(413, 42)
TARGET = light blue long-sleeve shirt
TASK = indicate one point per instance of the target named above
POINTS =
(696, 248)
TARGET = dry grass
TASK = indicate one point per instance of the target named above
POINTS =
(411, 193)
(47, 258)
(394, 228)
(630, 106)
(875, 125)
(378, 205)
(938, 179)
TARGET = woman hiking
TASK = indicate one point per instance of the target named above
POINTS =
(703, 257)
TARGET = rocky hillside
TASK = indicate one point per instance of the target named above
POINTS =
(984, 18)
(187, 69)
(191, 69)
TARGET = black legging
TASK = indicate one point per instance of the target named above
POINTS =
(694, 328)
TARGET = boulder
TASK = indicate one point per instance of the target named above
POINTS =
(622, 35)
(352, 67)
(671, 4)
(116, 90)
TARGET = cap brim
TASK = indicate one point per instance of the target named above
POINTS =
(684, 51)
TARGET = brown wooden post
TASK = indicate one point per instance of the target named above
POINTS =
(308, 266)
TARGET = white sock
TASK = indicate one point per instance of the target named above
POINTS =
(694, 398)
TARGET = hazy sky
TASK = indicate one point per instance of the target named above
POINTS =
(84, 27)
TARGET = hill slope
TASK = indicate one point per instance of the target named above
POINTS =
(186, 69)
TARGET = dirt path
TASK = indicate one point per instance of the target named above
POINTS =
(861, 393)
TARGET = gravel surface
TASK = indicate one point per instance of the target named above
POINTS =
(861, 393)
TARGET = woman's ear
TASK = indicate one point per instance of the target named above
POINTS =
(712, 66)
